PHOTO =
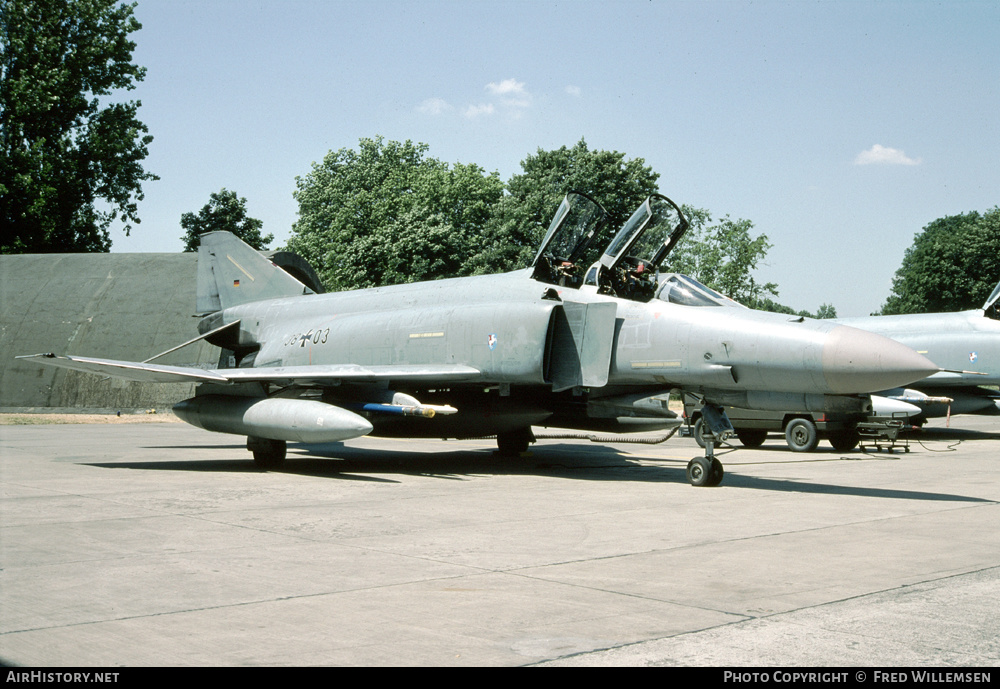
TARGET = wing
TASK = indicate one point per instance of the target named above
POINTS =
(319, 375)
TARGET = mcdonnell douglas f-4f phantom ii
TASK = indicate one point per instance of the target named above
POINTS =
(570, 342)
(965, 343)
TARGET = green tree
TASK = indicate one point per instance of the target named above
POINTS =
(953, 265)
(225, 211)
(519, 221)
(723, 256)
(767, 304)
(69, 165)
(387, 213)
(826, 311)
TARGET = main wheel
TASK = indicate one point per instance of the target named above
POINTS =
(801, 435)
(513, 443)
(267, 453)
(845, 439)
(751, 437)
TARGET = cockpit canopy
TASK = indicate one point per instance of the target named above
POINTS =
(563, 254)
(991, 308)
(628, 268)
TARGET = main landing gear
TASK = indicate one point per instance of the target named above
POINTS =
(267, 453)
(514, 443)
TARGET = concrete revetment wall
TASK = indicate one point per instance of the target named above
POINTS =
(111, 306)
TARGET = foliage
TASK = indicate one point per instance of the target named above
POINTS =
(768, 304)
(723, 256)
(69, 166)
(518, 223)
(225, 211)
(953, 265)
(824, 311)
(388, 214)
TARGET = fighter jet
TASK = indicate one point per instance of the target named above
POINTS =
(965, 343)
(582, 339)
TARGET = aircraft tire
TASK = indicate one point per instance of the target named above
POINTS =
(717, 472)
(704, 471)
(801, 435)
(267, 453)
(844, 440)
(751, 437)
(513, 443)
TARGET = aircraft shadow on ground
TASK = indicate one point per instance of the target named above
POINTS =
(951, 434)
(571, 461)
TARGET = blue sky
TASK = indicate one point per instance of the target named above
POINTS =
(839, 128)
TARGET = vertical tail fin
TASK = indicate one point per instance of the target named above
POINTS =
(231, 272)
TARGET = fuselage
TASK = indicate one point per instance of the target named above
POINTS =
(507, 327)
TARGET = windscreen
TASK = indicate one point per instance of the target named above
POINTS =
(686, 291)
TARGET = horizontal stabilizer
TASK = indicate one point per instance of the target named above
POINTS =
(129, 370)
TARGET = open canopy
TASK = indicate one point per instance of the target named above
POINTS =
(990, 308)
(563, 255)
(628, 268)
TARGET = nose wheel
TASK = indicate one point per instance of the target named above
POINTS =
(705, 471)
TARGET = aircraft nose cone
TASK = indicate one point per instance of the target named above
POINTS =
(859, 361)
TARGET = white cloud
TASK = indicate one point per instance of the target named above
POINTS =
(507, 87)
(434, 106)
(473, 111)
(512, 93)
(573, 90)
(882, 155)
(508, 96)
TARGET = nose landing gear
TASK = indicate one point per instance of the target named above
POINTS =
(715, 427)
